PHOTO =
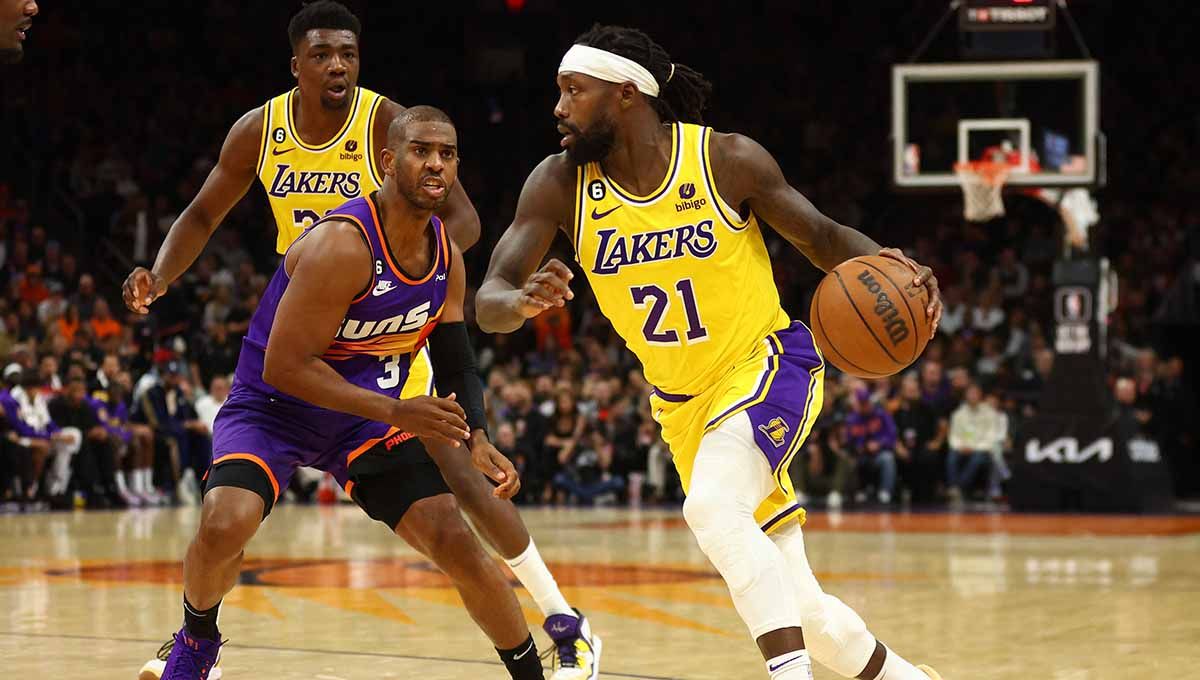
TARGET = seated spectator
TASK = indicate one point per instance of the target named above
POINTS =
(31, 428)
(824, 467)
(921, 433)
(208, 405)
(103, 325)
(215, 355)
(977, 432)
(94, 465)
(586, 476)
(32, 289)
(562, 436)
(871, 441)
(954, 311)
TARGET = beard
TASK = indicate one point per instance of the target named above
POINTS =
(594, 144)
(11, 55)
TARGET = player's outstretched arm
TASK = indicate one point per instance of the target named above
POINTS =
(512, 292)
(458, 214)
(748, 175)
(225, 186)
(328, 269)
(455, 371)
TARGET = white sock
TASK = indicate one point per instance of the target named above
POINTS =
(791, 666)
(896, 668)
(121, 488)
(537, 579)
(144, 482)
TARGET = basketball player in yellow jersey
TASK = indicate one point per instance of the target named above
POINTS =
(665, 218)
(313, 149)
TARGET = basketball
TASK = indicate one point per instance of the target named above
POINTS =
(868, 318)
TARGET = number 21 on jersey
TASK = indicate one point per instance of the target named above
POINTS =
(659, 301)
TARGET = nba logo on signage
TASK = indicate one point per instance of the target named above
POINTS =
(1073, 312)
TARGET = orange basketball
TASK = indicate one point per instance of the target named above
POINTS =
(868, 318)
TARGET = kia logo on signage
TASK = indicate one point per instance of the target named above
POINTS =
(1066, 450)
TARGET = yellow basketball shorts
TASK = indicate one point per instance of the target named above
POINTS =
(780, 386)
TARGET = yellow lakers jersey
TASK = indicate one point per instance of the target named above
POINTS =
(684, 279)
(305, 181)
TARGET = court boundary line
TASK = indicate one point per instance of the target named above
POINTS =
(270, 648)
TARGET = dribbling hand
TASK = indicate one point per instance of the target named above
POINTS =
(923, 277)
(431, 418)
(141, 288)
(547, 287)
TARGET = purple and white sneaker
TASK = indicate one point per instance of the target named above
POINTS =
(576, 650)
(185, 658)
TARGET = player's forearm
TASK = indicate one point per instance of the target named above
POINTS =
(840, 243)
(315, 382)
(184, 243)
(496, 307)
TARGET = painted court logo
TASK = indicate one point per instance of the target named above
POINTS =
(885, 309)
(686, 192)
(776, 430)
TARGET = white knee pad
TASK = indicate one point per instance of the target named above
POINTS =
(837, 637)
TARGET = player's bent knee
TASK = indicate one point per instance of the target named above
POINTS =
(437, 525)
(226, 527)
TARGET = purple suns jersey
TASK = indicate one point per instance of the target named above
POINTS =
(385, 325)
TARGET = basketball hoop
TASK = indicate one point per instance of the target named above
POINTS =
(982, 182)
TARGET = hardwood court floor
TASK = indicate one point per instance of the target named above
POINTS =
(328, 594)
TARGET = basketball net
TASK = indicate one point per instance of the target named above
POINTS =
(982, 183)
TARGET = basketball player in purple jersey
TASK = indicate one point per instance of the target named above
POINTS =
(318, 382)
(303, 138)
(16, 17)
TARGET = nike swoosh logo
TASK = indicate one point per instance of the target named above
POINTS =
(517, 657)
(772, 669)
(277, 152)
(383, 287)
(598, 215)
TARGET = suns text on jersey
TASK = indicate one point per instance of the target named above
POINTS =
(616, 251)
(288, 181)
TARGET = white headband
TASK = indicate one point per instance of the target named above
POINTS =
(609, 67)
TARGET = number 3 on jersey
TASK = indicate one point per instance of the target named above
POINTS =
(391, 372)
(659, 301)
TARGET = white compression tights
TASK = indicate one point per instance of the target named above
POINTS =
(769, 578)
(730, 478)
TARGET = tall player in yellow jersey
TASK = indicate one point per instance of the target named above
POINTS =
(314, 148)
(665, 218)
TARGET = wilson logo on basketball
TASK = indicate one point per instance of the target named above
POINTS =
(686, 192)
(885, 309)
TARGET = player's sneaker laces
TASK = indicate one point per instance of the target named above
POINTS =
(576, 652)
(196, 659)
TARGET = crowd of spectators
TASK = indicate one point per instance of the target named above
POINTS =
(103, 407)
